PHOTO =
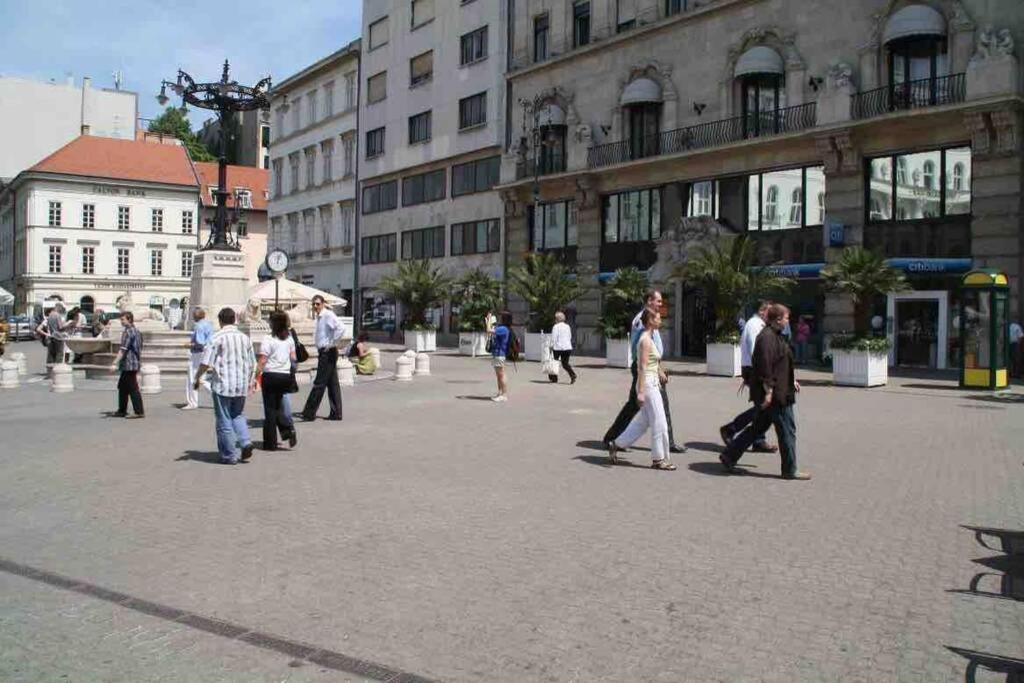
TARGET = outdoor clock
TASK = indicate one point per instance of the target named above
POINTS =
(277, 261)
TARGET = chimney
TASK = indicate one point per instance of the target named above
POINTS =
(86, 82)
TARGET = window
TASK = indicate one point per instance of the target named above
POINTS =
(633, 216)
(916, 58)
(473, 46)
(475, 176)
(265, 136)
(379, 33)
(379, 249)
(581, 24)
(421, 244)
(327, 155)
(473, 110)
(703, 199)
(552, 150)
(296, 116)
(918, 189)
(421, 68)
(293, 163)
(419, 127)
(187, 222)
(553, 226)
(88, 260)
(763, 96)
(243, 197)
(88, 215)
(310, 166)
(186, 264)
(771, 206)
(156, 220)
(123, 265)
(312, 114)
(375, 142)
(328, 99)
(56, 260)
(422, 12)
(280, 122)
(242, 228)
(476, 237)
(382, 197)
(350, 90)
(674, 7)
(54, 214)
(625, 15)
(377, 87)
(347, 219)
(426, 187)
(644, 121)
(308, 219)
(124, 217)
(156, 262)
(348, 144)
(540, 38)
(796, 206)
(326, 220)
(293, 232)
(777, 198)
(278, 181)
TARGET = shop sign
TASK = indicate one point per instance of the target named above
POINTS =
(835, 234)
(129, 191)
(795, 270)
(931, 266)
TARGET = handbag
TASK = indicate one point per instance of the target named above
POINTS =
(301, 354)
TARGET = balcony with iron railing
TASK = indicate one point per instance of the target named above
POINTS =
(705, 135)
(546, 165)
(925, 92)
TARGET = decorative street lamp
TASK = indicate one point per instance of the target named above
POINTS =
(532, 109)
(224, 97)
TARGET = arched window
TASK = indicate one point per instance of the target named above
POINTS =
(761, 74)
(915, 42)
(771, 205)
(641, 102)
(796, 207)
(929, 175)
(87, 304)
(958, 176)
(901, 171)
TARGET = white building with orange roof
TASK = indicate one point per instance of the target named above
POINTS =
(99, 218)
(249, 196)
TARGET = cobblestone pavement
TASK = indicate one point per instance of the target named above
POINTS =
(452, 538)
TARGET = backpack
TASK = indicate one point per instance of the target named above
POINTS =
(513, 347)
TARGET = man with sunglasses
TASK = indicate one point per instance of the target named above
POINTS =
(328, 330)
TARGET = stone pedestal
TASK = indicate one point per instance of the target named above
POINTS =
(218, 281)
(61, 379)
(346, 372)
(9, 375)
(997, 75)
(150, 379)
(422, 364)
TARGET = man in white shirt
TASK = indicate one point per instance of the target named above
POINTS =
(328, 331)
(751, 330)
(561, 344)
(1016, 341)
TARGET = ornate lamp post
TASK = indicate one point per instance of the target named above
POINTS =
(224, 97)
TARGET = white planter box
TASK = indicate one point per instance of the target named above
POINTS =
(421, 340)
(859, 368)
(538, 346)
(724, 360)
(473, 343)
(618, 353)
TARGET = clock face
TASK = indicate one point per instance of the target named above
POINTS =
(277, 261)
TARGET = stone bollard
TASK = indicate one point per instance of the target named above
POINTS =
(9, 375)
(150, 383)
(403, 368)
(346, 372)
(375, 352)
(19, 358)
(61, 379)
(422, 364)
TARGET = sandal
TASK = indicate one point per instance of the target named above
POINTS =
(663, 465)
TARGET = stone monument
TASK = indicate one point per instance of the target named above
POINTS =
(218, 281)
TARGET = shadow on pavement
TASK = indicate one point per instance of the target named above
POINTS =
(1013, 668)
(1005, 580)
(473, 398)
(998, 398)
(705, 446)
(603, 461)
(715, 469)
(209, 457)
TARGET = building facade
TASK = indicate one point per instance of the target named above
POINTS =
(97, 219)
(313, 155)
(891, 124)
(249, 144)
(432, 122)
(37, 119)
(247, 204)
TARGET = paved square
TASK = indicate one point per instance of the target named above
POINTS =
(435, 536)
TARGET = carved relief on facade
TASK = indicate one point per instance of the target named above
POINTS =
(993, 44)
(976, 123)
(1006, 124)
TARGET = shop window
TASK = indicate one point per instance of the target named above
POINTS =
(476, 237)
(423, 244)
(777, 199)
(632, 216)
(927, 185)
(553, 226)
(796, 206)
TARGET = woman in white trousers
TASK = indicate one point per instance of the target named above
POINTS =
(648, 395)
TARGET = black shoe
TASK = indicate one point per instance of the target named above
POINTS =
(136, 416)
(676, 449)
(726, 433)
(764, 447)
(730, 468)
(307, 418)
(333, 418)
(572, 380)
(246, 453)
(118, 414)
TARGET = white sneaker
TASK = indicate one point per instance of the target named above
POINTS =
(500, 398)
(190, 407)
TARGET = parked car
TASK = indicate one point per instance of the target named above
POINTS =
(21, 328)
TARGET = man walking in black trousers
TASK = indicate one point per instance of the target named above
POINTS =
(652, 302)
(328, 330)
(751, 330)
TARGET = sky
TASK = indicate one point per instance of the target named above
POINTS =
(149, 41)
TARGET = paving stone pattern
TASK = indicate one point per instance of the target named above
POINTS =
(436, 533)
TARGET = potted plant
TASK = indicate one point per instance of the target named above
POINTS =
(418, 287)
(859, 359)
(726, 272)
(546, 286)
(624, 296)
(476, 293)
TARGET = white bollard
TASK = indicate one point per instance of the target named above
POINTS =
(150, 379)
(403, 368)
(9, 375)
(346, 372)
(422, 364)
(61, 379)
(19, 358)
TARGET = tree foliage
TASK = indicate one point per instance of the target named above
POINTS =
(418, 287)
(546, 286)
(172, 122)
(863, 276)
(475, 293)
(623, 297)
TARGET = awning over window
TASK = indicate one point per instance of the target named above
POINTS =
(640, 91)
(914, 20)
(760, 60)
(551, 115)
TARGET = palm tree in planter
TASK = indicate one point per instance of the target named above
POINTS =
(726, 271)
(418, 287)
(623, 297)
(476, 294)
(859, 359)
(546, 286)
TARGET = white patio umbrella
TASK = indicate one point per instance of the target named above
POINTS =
(290, 292)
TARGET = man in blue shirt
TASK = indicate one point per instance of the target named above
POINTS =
(202, 330)
(328, 331)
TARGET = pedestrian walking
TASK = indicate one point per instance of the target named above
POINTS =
(501, 343)
(751, 330)
(128, 362)
(773, 388)
(51, 329)
(802, 337)
(276, 377)
(199, 337)
(229, 354)
(561, 345)
(652, 302)
(652, 413)
(328, 331)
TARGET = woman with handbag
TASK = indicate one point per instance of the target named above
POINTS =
(275, 372)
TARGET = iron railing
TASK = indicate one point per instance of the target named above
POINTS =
(712, 134)
(926, 92)
(554, 163)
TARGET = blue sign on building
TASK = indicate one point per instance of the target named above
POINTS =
(835, 234)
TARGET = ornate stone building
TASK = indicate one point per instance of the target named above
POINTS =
(892, 124)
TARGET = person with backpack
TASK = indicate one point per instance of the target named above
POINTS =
(504, 348)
